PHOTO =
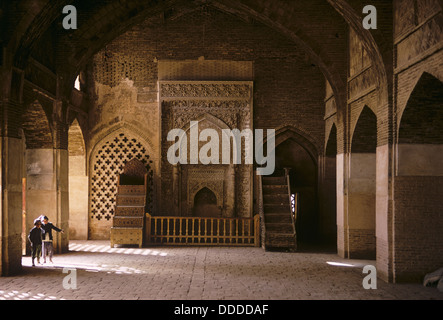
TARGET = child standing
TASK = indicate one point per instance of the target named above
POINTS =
(47, 238)
(35, 237)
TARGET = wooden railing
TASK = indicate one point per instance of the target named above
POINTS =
(202, 231)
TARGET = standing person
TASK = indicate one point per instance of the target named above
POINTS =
(47, 238)
(35, 237)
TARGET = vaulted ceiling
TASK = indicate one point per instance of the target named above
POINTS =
(319, 27)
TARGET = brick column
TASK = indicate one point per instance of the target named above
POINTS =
(342, 205)
(11, 189)
(61, 173)
(383, 204)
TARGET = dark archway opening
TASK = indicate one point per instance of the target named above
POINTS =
(303, 181)
(205, 204)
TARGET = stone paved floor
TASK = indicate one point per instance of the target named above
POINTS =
(200, 273)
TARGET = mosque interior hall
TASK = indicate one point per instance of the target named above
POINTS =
(281, 126)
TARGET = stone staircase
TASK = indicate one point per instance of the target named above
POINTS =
(128, 221)
(129, 217)
(279, 223)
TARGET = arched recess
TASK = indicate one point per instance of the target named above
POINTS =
(328, 191)
(420, 129)
(218, 177)
(106, 163)
(202, 122)
(418, 183)
(295, 152)
(40, 193)
(360, 220)
(78, 184)
(205, 204)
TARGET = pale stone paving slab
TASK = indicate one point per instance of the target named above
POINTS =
(200, 273)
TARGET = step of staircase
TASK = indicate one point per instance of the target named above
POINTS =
(275, 189)
(127, 222)
(280, 240)
(277, 214)
(274, 181)
(131, 190)
(131, 200)
(129, 210)
(277, 208)
(285, 228)
(276, 217)
(277, 198)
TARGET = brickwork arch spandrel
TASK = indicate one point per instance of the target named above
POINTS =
(76, 142)
(36, 127)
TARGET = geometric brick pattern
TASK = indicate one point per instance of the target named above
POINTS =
(107, 165)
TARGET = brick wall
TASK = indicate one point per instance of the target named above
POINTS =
(285, 85)
(418, 70)
(418, 220)
(288, 89)
(362, 243)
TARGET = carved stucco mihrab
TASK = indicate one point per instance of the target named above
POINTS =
(217, 105)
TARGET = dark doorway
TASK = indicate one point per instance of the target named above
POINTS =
(205, 204)
(303, 180)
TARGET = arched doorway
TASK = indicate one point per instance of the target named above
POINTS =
(78, 184)
(39, 191)
(362, 189)
(205, 204)
(296, 157)
(107, 161)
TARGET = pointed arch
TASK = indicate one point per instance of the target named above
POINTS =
(36, 127)
(331, 142)
(292, 133)
(422, 119)
(205, 203)
(361, 197)
(106, 162)
(76, 141)
(214, 123)
(295, 151)
(78, 183)
(364, 137)
(205, 196)
(118, 128)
